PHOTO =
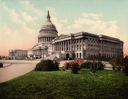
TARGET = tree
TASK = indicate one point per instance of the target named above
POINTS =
(117, 63)
(125, 63)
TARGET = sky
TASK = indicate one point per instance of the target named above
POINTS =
(21, 20)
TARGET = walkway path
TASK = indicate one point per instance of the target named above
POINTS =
(15, 69)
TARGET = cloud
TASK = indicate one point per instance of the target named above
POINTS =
(92, 15)
(17, 28)
(27, 6)
(92, 22)
(27, 17)
(87, 22)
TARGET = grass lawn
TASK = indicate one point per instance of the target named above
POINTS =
(65, 85)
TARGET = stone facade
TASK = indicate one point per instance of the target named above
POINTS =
(84, 45)
(18, 54)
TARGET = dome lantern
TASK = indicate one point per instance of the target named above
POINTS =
(48, 17)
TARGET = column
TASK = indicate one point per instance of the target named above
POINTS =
(45, 39)
(68, 46)
(82, 51)
(59, 46)
(64, 46)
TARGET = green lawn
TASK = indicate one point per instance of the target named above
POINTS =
(65, 85)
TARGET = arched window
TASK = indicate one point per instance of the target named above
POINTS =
(80, 55)
(77, 55)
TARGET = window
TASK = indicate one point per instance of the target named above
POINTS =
(80, 55)
(77, 55)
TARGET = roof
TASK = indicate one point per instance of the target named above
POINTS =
(39, 46)
(61, 36)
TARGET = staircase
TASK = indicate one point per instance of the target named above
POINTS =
(51, 57)
(107, 65)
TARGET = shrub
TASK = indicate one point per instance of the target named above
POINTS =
(93, 65)
(125, 63)
(62, 68)
(1, 65)
(79, 61)
(118, 68)
(56, 65)
(75, 67)
(113, 68)
(86, 65)
(125, 70)
(67, 65)
(100, 66)
(47, 65)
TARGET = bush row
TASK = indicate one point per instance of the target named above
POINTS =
(47, 65)
(75, 66)
(93, 65)
(88, 65)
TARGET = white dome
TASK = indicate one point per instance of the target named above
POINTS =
(48, 29)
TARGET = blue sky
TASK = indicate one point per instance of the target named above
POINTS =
(20, 20)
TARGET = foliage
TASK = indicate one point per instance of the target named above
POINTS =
(93, 65)
(64, 85)
(118, 68)
(98, 57)
(100, 66)
(56, 64)
(86, 65)
(1, 65)
(119, 63)
(79, 61)
(125, 61)
(67, 65)
(113, 68)
(75, 67)
(125, 69)
(47, 65)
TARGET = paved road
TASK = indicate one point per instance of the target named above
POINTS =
(15, 69)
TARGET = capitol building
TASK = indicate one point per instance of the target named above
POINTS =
(80, 45)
